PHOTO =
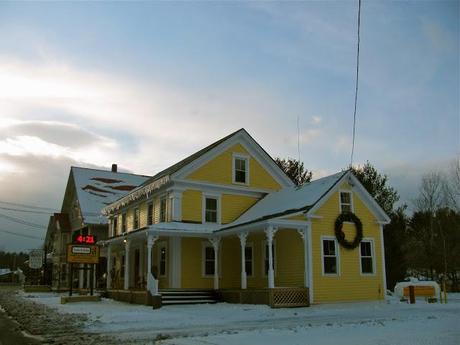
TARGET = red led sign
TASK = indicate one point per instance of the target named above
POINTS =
(85, 239)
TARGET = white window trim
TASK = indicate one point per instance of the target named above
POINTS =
(204, 245)
(162, 244)
(371, 241)
(246, 158)
(337, 255)
(250, 245)
(352, 206)
(203, 207)
(264, 245)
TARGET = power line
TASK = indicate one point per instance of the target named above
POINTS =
(22, 221)
(356, 87)
(20, 210)
(29, 206)
(22, 235)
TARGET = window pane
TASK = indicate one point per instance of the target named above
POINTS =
(150, 215)
(345, 198)
(330, 265)
(240, 164)
(366, 249)
(329, 247)
(209, 253)
(211, 204)
(240, 176)
(209, 268)
(346, 208)
(248, 262)
(366, 265)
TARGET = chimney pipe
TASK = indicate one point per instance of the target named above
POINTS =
(114, 168)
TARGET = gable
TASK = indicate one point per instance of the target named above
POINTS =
(363, 205)
(219, 170)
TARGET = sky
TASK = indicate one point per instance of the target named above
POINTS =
(145, 84)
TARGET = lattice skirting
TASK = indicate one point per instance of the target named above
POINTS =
(282, 297)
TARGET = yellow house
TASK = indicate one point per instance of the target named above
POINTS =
(228, 220)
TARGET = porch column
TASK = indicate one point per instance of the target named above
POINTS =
(109, 266)
(152, 283)
(243, 237)
(215, 244)
(303, 232)
(270, 233)
(126, 282)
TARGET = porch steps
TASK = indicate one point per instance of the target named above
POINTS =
(187, 296)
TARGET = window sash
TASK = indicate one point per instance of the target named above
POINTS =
(163, 210)
(162, 270)
(330, 260)
(209, 259)
(367, 257)
(346, 202)
(248, 263)
(123, 222)
(240, 170)
(150, 214)
(211, 210)
(136, 218)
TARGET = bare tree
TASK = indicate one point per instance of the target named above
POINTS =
(432, 193)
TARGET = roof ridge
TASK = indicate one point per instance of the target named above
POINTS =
(109, 171)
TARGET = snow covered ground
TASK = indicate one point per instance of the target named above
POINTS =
(386, 322)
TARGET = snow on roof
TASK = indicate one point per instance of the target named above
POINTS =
(288, 200)
(99, 188)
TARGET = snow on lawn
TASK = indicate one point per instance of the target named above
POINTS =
(385, 322)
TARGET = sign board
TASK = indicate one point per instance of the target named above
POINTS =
(82, 254)
(36, 258)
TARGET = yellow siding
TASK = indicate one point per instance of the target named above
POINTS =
(289, 259)
(192, 206)
(234, 205)
(219, 170)
(143, 214)
(258, 279)
(350, 285)
(192, 275)
(231, 263)
(130, 219)
(156, 210)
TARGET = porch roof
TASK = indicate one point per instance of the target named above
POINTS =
(287, 201)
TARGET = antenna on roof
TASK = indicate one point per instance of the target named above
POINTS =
(298, 148)
(356, 88)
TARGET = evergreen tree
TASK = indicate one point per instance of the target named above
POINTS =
(295, 170)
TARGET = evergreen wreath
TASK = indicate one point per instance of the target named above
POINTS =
(348, 217)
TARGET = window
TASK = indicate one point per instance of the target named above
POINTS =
(163, 210)
(211, 210)
(115, 226)
(367, 257)
(136, 218)
(346, 202)
(150, 214)
(330, 256)
(209, 259)
(249, 263)
(122, 267)
(162, 260)
(266, 257)
(123, 222)
(240, 169)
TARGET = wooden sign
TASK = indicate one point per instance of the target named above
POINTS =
(82, 254)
